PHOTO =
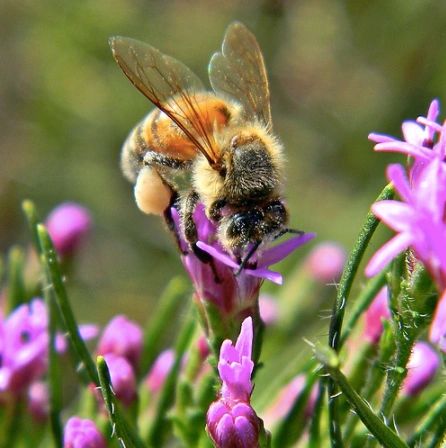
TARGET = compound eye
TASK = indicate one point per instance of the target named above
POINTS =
(241, 223)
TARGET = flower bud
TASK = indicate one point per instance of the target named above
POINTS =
(122, 377)
(160, 369)
(421, 368)
(122, 337)
(82, 433)
(68, 225)
(326, 262)
(234, 426)
(375, 314)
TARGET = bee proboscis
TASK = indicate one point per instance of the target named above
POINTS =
(223, 138)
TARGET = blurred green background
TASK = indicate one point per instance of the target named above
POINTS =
(338, 71)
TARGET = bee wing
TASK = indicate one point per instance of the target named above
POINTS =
(169, 85)
(239, 71)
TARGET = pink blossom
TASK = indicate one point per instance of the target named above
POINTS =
(68, 224)
(38, 401)
(326, 262)
(82, 433)
(122, 337)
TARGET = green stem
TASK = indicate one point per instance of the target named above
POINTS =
(374, 424)
(430, 420)
(159, 422)
(344, 288)
(54, 281)
(121, 428)
(439, 435)
(54, 379)
(362, 302)
(168, 305)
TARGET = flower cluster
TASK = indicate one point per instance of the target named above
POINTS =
(419, 219)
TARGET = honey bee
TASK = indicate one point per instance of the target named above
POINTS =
(223, 139)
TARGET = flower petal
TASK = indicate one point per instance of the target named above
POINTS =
(386, 253)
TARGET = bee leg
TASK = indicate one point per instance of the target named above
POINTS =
(248, 256)
(152, 158)
(215, 209)
(287, 230)
(171, 224)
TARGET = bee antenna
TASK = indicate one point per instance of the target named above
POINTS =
(248, 257)
(287, 230)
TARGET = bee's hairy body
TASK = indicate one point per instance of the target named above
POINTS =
(235, 161)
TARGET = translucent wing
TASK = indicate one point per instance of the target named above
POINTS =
(170, 86)
(239, 71)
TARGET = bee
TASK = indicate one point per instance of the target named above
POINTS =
(223, 139)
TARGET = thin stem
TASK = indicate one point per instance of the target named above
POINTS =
(374, 424)
(438, 437)
(54, 380)
(315, 425)
(121, 428)
(55, 282)
(345, 285)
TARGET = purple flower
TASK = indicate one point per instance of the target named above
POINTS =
(82, 433)
(326, 262)
(23, 346)
(122, 337)
(419, 220)
(217, 281)
(419, 141)
(231, 421)
(160, 369)
(374, 316)
(68, 225)
(437, 333)
(122, 376)
(422, 367)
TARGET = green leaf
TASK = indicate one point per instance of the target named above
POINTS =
(171, 299)
(54, 281)
(16, 283)
(122, 429)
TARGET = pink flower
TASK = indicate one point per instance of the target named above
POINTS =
(422, 367)
(68, 224)
(326, 262)
(375, 314)
(23, 346)
(418, 220)
(218, 280)
(231, 421)
(122, 337)
(160, 369)
(82, 433)
(268, 309)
